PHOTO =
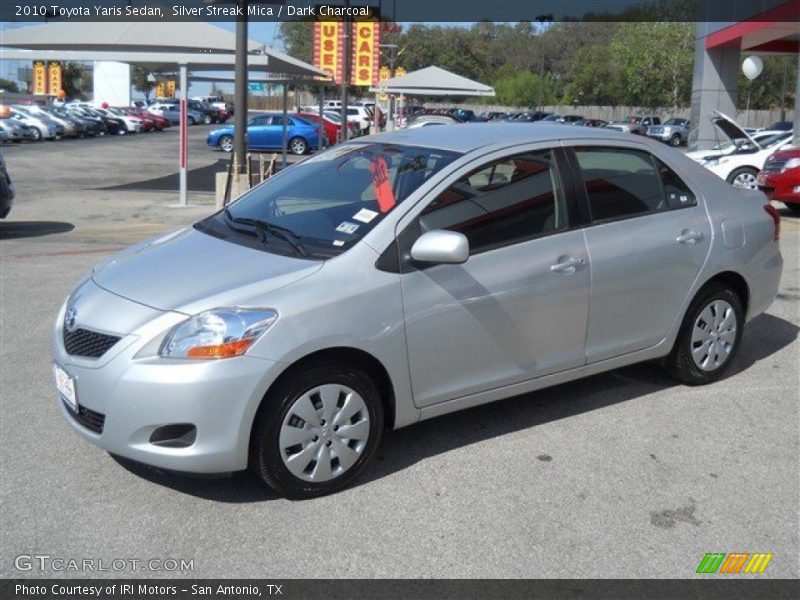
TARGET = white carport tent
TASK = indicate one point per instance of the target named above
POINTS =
(155, 45)
(432, 81)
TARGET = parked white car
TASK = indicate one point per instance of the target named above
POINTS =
(740, 165)
(42, 128)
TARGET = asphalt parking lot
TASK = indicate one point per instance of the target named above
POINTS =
(625, 474)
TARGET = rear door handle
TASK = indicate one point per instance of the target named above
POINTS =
(568, 265)
(690, 237)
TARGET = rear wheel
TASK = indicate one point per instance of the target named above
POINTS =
(298, 145)
(226, 143)
(190, 120)
(207, 119)
(675, 140)
(795, 208)
(317, 430)
(37, 135)
(744, 177)
(709, 337)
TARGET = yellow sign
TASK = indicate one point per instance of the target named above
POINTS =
(171, 88)
(399, 72)
(160, 89)
(54, 70)
(39, 83)
(383, 75)
(328, 48)
(366, 54)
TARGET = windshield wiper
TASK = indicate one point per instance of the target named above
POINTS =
(284, 233)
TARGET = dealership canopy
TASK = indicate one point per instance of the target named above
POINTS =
(156, 45)
(433, 81)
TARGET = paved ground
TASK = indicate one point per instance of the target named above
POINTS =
(621, 475)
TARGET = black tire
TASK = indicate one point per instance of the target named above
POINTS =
(675, 140)
(265, 453)
(190, 120)
(795, 208)
(297, 145)
(225, 143)
(37, 135)
(207, 119)
(680, 363)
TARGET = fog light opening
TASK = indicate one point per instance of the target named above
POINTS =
(178, 435)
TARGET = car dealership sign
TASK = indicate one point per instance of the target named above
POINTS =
(329, 46)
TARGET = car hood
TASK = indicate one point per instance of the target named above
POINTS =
(189, 271)
(731, 129)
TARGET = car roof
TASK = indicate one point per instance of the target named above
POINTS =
(468, 137)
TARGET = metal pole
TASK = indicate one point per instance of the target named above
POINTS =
(796, 138)
(346, 74)
(284, 131)
(783, 88)
(240, 87)
(184, 143)
(321, 110)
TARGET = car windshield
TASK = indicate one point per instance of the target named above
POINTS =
(327, 203)
(675, 122)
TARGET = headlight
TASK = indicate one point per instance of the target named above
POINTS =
(217, 333)
(792, 163)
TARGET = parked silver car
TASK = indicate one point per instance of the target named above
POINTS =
(674, 131)
(402, 277)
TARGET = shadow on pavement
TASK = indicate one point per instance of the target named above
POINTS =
(201, 180)
(11, 230)
(403, 448)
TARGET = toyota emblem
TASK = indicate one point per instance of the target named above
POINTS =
(70, 319)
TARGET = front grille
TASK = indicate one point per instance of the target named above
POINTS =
(91, 344)
(93, 421)
(775, 165)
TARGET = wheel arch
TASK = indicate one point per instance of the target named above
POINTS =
(352, 356)
(735, 281)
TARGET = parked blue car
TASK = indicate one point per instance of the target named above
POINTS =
(265, 132)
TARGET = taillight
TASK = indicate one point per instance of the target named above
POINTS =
(776, 220)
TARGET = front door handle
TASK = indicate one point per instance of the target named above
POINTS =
(568, 265)
(690, 237)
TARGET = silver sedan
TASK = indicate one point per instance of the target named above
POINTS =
(405, 276)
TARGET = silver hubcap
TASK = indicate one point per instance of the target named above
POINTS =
(713, 335)
(298, 146)
(745, 180)
(324, 433)
(226, 144)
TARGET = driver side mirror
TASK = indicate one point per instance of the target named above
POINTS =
(441, 247)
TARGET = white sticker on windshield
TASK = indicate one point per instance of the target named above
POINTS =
(347, 227)
(338, 242)
(365, 215)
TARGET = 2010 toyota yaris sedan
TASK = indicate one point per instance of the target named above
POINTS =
(405, 276)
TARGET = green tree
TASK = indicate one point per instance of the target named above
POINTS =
(76, 80)
(8, 85)
(593, 77)
(140, 79)
(655, 63)
(298, 39)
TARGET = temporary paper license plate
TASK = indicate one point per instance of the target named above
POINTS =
(66, 387)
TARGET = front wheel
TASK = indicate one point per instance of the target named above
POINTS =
(190, 120)
(744, 177)
(317, 430)
(298, 145)
(226, 143)
(207, 119)
(709, 337)
(37, 135)
(675, 140)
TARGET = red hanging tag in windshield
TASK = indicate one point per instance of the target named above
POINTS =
(383, 189)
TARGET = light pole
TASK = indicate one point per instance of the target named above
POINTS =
(542, 20)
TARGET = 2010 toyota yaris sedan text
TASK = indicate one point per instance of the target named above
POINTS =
(402, 277)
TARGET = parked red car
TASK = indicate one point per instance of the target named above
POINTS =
(148, 124)
(160, 122)
(331, 128)
(780, 178)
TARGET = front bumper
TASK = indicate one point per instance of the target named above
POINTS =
(784, 187)
(132, 393)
